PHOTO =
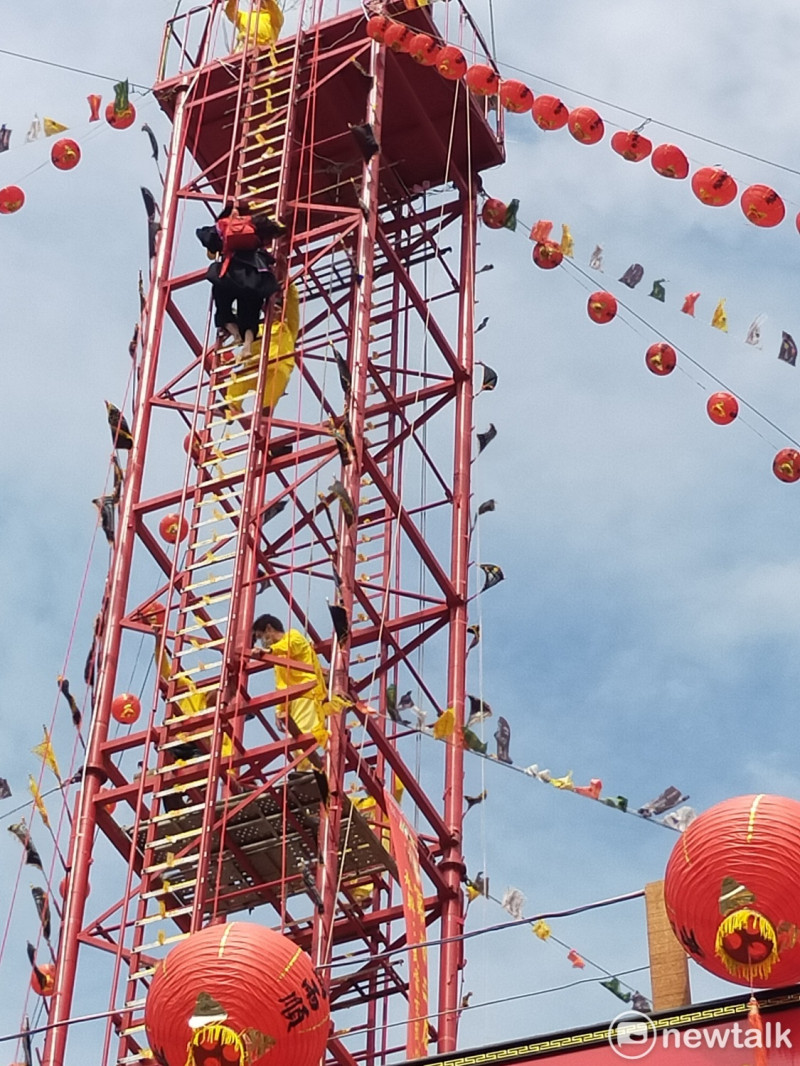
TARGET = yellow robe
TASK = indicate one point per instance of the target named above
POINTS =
(280, 359)
(262, 27)
(306, 711)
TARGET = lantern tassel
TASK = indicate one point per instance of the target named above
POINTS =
(757, 1025)
(751, 921)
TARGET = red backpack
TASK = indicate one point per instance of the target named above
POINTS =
(238, 235)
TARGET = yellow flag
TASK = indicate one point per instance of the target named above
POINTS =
(444, 724)
(45, 752)
(720, 319)
(563, 782)
(541, 929)
(567, 243)
(51, 127)
(37, 799)
(472, 893)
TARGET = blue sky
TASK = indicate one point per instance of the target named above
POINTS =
(647, 630)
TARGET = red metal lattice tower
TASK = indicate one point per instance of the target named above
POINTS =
(353, 490)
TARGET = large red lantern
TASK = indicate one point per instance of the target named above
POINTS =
(732, 892)
(601, 307)
(494, 213)
(669, 161)
(713, 186)
(451, 63)
(722, 408)
(11, 199)
(237, 995)
(43, 979)
(631, 145)
(377, 25)
(515, 96)
(482, 80)
(549, 113)
(65, 154)
(126, 708)
(423, 49)
(120, 120)
(762, 206)
(585, 125)
(173, 528)
(786, 465)
(661, 358)
(547, 254)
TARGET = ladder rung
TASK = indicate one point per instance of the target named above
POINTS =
(135, 1004)
(145, 971)
(158, 944)
(178, 886)
(150, 918)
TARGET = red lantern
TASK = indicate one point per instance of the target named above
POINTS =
(120, 120)
(669, 161)
(713, 186)
(193, 442)
(515, 96)
(62, 886)
(65, 154)
(585, 125)
(231, 979)
(451, 63)
(762, 206)
(494, 213)
(482, 80)
(11, 199)
(602, 307)
(732, 894)
(631, 146)
(786, 465)
(547, 254)
(423, 49)
(126, 708)
(661, 358)
(173, 528)
(549, 113)
(722, 408)
(43, 979)
(377, 25)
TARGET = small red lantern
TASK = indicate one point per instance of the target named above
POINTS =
(451, 63)
(547, 254)
(585, 125)
(549, 113)
(62, 886)
(234, 979)
(515, 96)
(43, 979)
(192, 442)
(762, 206)
(65, 154)
(423, 49)
(120, 120)
(631, 145)
(397, 37)
(377, 25)
(661, 358)
(713, 186)
(601, 307)
(482, 80)
(786, 465)
(11, 199)
(669, 161)
(732, 894)
(126, 708)
(494, 213)
(173, 528)
(722, 408)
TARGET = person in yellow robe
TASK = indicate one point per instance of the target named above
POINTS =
(280, 359)
(262, 26)
(307, 711)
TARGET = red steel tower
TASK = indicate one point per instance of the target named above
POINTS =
(352, 493)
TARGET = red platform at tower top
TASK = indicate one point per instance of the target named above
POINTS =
(351, 490)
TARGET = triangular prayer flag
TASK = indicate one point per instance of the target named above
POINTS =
(596, 258)
(513, 901)
(121, 101)
(489, 379)
(51, 127)
(719, 319)
(486, 438)
(444, 724)
(689, 302)
(94, 100)
(37, 799)
(473, 741)
(34, 130)
(46, 753)
(5, 137)
(564, 782)
(575, 959)
(5, 789)
(510, 221)
(541, 929)
(620, 802)
(541, 231)
(658, 292)
(493, 575)
(592, 790)
(788, 352)
(664, 802)
(680, 819)
(567, 243)
(613, 985)
(754, 332)
(42, 909)
(633, 275)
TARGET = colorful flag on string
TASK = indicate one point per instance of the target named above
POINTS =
(658, 292)
(788, 352)
(45, 752)
(633, 275)
(719, 320)
(20, 831)
(486, 438)
(592, 790)
(51, 127)
(34, 130)
(567, 243)
(513, 901)
(5, 789)
(121, 101)
(5, 137)
(541, 231)
(94, 100)
(664, 802)
(613, 985)
(541, 929)
(503, 738)
(596, 258)
(689, 302)
(575, 959)
(754, 332)
(445, 724)
(493, 575)
(42, 902)
(38, 801)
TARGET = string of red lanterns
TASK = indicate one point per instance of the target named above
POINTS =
(713, 186)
